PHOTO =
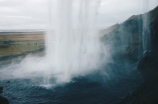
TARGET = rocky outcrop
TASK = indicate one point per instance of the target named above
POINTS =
(149, 69)
(147, 93)
(128, 41)
(127, 38)
(2, 99)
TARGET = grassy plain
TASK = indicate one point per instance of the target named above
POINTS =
(18, 43)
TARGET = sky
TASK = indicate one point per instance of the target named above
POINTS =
(34, 14)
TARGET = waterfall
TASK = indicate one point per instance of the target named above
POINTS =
(72, 42)
(144, 32)
(146, 35)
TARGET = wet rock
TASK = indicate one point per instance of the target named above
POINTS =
(149, 69)
(3, 100)
(1, 89)
(147, 53)
(8, 81)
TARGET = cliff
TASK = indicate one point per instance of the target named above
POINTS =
(128, 39)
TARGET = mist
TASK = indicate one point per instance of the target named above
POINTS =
(72, 48)
(77, 59)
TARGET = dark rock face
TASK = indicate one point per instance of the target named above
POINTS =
(147, 93)
(154, 29)
(1, 89)
(2, 99)
(146, 53)
(127, 38)
(149, 69)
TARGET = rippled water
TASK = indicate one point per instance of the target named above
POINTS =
(93, 88)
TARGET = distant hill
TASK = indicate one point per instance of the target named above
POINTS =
(108, 30)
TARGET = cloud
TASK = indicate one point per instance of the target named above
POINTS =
(23, 14)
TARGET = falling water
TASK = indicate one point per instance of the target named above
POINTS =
(72, 41)
(73, 49)
(72, 45)
(146, 35)
(144, 47)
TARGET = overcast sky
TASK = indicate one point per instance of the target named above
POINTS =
(33, 14)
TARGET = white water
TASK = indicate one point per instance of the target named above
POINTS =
(72, 43)
(146, 29)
